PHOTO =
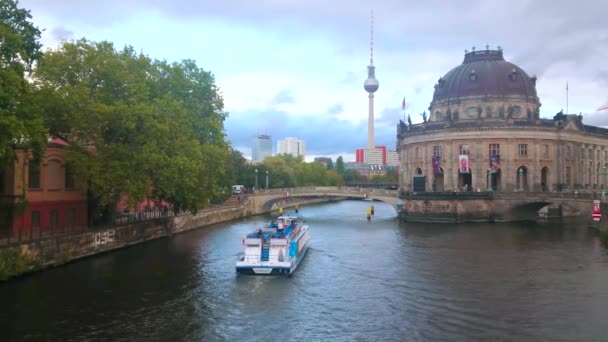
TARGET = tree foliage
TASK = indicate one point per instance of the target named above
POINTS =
(20, 121)
(136, 126)
(330, 164)
(340, 166)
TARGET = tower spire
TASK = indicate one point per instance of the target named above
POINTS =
(371, 42)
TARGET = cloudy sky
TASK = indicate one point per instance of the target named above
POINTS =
(296, 68)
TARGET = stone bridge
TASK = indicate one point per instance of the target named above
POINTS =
(267, 201)
(494, 206)
(438, 206)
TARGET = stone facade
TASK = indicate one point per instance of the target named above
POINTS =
(530, 153)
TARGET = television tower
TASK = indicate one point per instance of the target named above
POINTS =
(371, 85)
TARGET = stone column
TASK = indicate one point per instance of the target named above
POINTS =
(535, 186)
(507, 174)
(480, 179)
(448, 176)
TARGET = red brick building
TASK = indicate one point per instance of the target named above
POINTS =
(41, 196)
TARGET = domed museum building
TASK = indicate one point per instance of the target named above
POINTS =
(484, 133)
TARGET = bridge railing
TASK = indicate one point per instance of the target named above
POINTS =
(326, 189)
(498, 194)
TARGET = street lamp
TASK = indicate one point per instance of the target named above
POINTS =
(521, 179)
(604, 183)
(256, 180)
(489, 180)
(266, 180)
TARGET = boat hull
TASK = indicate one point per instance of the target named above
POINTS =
(273, 269)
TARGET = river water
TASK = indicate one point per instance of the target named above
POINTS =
(382, 280)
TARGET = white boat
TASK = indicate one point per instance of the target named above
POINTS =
(277, 248)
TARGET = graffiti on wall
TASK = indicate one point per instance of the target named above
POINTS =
(102, 238)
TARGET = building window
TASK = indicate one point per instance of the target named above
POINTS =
(582, 152)
(417, 152)
(494, 149)
(567, 175)
(464, 149)
(69, 177)
(33, 175)
(54, 175)
(597, 155)
(71, 216)
(545, 151)
(35, 219)
(605, 155)
(590, 154)
(54, 219)
(568, 152)
(437, 151)
(523, 150)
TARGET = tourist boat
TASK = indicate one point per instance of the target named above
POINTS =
(277, 248)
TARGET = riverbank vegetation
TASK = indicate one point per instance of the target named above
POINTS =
(135, 126)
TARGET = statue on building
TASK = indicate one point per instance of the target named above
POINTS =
(559, 116)
(409, 121)
(424, 116)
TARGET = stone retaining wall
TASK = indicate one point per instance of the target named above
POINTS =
(59, 249)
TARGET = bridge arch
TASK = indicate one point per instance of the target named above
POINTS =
(528, 211)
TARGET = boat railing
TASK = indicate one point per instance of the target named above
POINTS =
(248, 258)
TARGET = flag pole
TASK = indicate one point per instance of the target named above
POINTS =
(567, 112)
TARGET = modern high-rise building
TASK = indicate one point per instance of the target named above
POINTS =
(392, 158)
(291, 146)
(378, 155)
(262, 147)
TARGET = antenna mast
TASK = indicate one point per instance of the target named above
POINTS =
(371, 45)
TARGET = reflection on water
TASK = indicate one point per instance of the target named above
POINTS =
(378, 280)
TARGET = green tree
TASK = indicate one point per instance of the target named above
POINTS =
(20, 121)
(330, 164)
(340, 166)
(136, 126)
(282, 175)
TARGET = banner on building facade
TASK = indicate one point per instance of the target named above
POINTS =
(463, 163)
(436, 169)
(597, 211)
(494, 163)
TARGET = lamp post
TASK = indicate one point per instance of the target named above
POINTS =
(256, 181)
(489, 180)
(266, 180)
(604, 173)
(521, 179)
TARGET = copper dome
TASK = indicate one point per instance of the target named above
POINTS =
(485, 73)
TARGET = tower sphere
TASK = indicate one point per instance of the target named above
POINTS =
(371, 85)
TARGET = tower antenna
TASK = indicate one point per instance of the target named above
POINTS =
(371, 42)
